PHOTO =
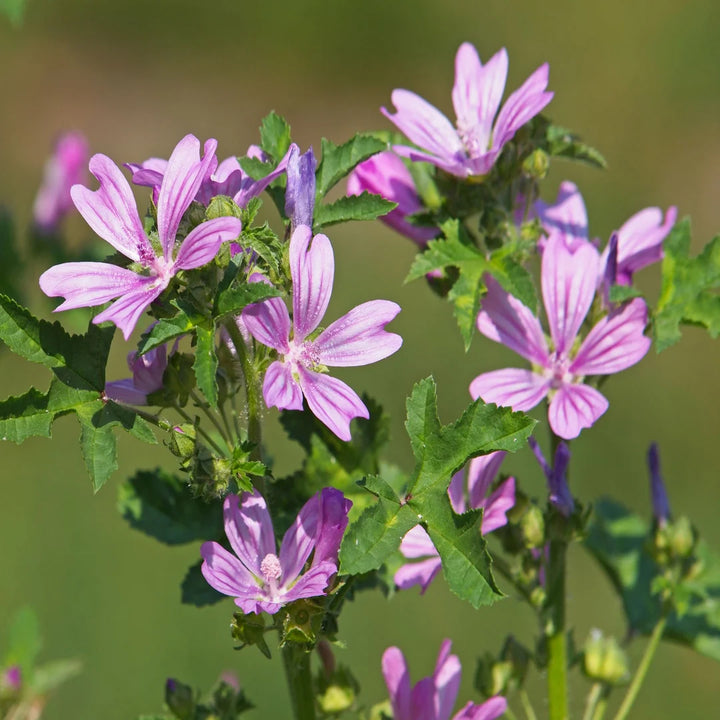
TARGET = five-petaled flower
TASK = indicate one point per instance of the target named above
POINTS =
(257, 576)
(433, 698)
(569, 279)
(471, 148)
(357, 338)
(469, 489)
(112, 213)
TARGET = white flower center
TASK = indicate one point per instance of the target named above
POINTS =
(270, 568)
(305, 354)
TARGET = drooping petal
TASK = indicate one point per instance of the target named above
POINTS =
(111, 210)
(313, 582)
(615, 343)
(425, 125)
(299, 540)
(149, 173)
(334, 509)
(280, 389)
(481, 473)
(504, 319)
(312, 267)
(184, 173)
(522, 105)
(446, 679)
(569, 279)
(397, 680)
(224, 572)
(124, 391)
(489, 710)
(300, 192)
(249, 529)
(359, 337)
(268, 321)
(332, 401)
(567, 217)
(477, 92)
(573, 408)
(512, 387)
(420, 573)
(497, 505)
(204, 242)
(126, 311)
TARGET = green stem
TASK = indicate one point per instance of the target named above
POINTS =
(555, 632)
(200, 403)
(642, 670)
(595, 696)
(297, 672)
(527, 706)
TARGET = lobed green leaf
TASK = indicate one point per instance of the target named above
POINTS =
(339, 160)
(275, 136)
(206, 364)
(165, 330)
(365, 206)
(25, 416)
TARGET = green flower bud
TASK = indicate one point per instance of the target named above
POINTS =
(179, 699)
(604, 660)
(682, 537)
(222, 206)
(250, 630)
(537, 164)
(532, 525)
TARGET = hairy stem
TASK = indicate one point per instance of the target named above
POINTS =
(297, 672)
(641, 672)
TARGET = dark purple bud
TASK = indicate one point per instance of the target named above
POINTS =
(300, 191)
(611, 267)
(660, 503)
(560, 495)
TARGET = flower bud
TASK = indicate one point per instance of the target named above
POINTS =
(537, 164)
(604, 660)
(222, 206)
(250, 630)
(337, 693)
(682, 537)
(179, 699)
(532, 525)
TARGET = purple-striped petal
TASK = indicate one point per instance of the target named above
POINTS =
(422, 701)
(332, 401)
(397, 680)
(569, 279)
(489, 710)
(359, 336)
(312, 583)
(312, 267)
(615, 343)
(446, 680)
(225, 573)
(573, 408)
(249, 529)
(504, 319)
(334, 509)
(280, 389)
(417, 543)
(299, 540)
(459, 165)
(300, 192)
(456, 493)
(126, 311)
(184, 173)
(497, 505)
(204, 242)
(417, 573)
(268, 321)
(567, 217)
(512, 387)
(481, 473)
(149, 173)
(111, 210)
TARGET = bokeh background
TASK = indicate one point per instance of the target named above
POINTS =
(641, 81)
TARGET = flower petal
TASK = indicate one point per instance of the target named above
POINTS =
(332, 401)
(489, 710)
(224, 572)
(280, 389)
(313, 582)
(397, 680)
(300, 192)
(417, 543)
(268, 321)
(181, 182)
(512, 387)
(504, 319)
(567, 217)
(496, 506)
(299, 540)
(615, 343)
(459, 165)
(573, 408)
(417, 573)
(446, 679)
(481, 473)
(126, 311)
(569, 279)
(312, 267)
(124, 391)
(249, 529)
(359, 336)
(111, 210)
(334, 509)
(149, 173)
(203, 243)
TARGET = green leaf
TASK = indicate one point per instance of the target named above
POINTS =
(242, 294)
(50, 675)
(14, 10)
(623, 293)
(164, 330)
(365, 206)
(161, 505)
(263, 241)
(618, 540)
(25, 416)
(339, 160)
(206, 363)
(689, 288)
(274, 136)
(24, 641)
(195, 589)
(10, 263)
(98, 447)
(561, 142)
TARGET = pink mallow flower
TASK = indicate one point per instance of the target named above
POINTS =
(471, 492)
(385, 174)
(569, 279)
(471, 148)
(63, 169)
(112, 213)
(357, 338)
(147, 377)
(639, 239)
(433, 698)
(257, 577)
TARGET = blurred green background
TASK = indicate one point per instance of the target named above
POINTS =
(641, 81)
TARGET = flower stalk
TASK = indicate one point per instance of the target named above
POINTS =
(296, 662)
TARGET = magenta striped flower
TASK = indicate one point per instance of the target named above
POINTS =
(471, 148)
(112, 213)
(256, 575)
(357, 338)
(433, 698)
(469, 489)
(569, 279)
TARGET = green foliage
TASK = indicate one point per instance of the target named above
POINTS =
(274, 136)
(622, 293)
(561, 142)
(206, 364)
(161, 505)
(165, 330)
(689, 288)
(10, 264)
(14, 10)
(620, 540)
(263, 241)
(339, 160)
(365, 206)
(239, 295)
(23, 642)
(439, 452)
(195, 589)
(25, 416)
(456, 250)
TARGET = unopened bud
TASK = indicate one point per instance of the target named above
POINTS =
(533, 527)
(250, 630)
(222, 206)
(179, 699)
(604, 660)
(537, 164)
(682, 537)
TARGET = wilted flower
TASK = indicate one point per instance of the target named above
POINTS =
(112, 213)
(147, 377)
(471, 148)
(432, 698)
(258, 578)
